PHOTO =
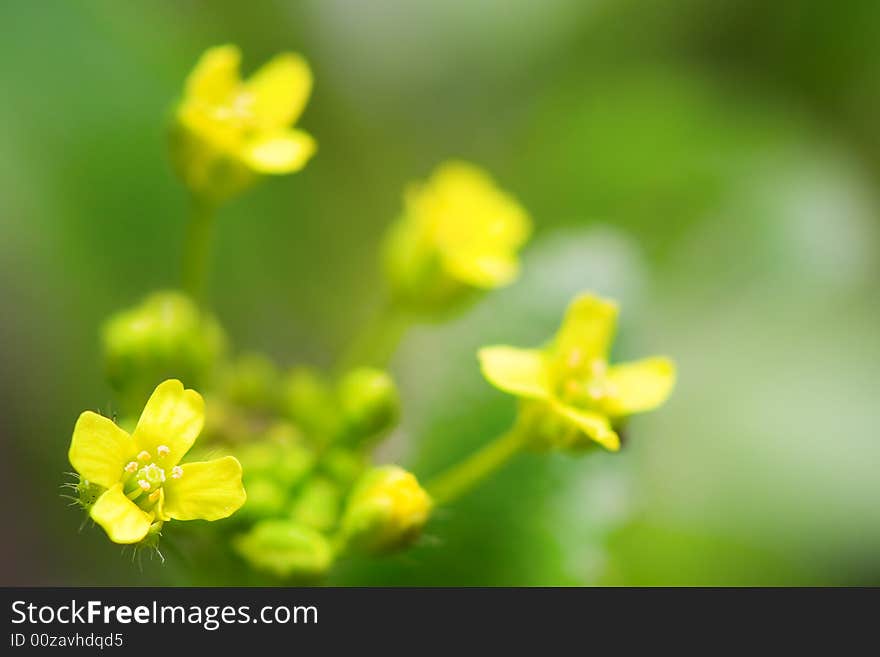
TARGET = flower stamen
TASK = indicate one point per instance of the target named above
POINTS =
(144, 456)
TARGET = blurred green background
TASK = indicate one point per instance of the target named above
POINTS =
(714, 165)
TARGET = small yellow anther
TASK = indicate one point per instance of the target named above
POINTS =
(144, 456)
(131, 467)
(176, 472)
(163, 450)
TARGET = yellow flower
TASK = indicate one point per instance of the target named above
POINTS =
(459, 232)
(571, 395)
(228, 131)
(143, 480)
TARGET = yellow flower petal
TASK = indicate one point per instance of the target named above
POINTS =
(482, 270)
(215, 77)
(465, 211)
(594, 425)
(639, 386)
(280, 90)
(207, 490)
(173, 417)
(123, 520)
(99, 449)
(521, 372)
(279, 153)
(587, 330)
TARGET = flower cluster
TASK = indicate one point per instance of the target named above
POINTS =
(287, 451)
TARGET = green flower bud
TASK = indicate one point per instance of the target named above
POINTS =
(343, 465)
(252, 380)
(308, 401)
(266, 498)
(285, 549)
(165, 336)
(318, 504)
(386, 511)
(280, 456)
(369, 402)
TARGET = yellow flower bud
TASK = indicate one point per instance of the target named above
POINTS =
(164, 336)
(386, 511)
(285, 549)
(370, 403)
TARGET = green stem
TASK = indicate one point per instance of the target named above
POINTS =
(377, 342)
(460, 478)
(197, 249)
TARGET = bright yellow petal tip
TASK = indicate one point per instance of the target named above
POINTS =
(594, 426)
(280, 90)
(587, 330)
(215, 77)
(173, 417)
(205, 490)
(640, 386)
(99, 449)
(279, 153)
(521, 372)
(123, 520)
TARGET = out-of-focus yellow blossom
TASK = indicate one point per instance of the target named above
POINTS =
(228, 131)
(144, 482)
(571, 395)
(386, 511)
(163, 336)
(458, 232)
